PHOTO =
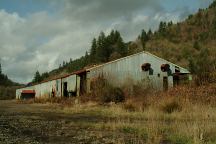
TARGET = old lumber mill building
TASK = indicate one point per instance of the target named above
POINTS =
(142, 67)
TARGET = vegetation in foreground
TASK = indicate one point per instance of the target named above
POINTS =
(182, 115)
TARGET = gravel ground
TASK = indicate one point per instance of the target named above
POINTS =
(40, 123)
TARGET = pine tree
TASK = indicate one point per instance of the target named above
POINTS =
(170, 24)
(144, 38)
(116, 36)
(121, 47)
(144, 35)
(213, 5)
(149, 34)
(71, 60)
(93, 51)
(86, 59)
(44, 76)
(37, 77)
(162, 28)
(112, 37)
(102, 48)
(63, 64)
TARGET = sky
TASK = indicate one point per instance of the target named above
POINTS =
(41, 34)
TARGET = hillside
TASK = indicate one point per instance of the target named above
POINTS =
(182, 43)
(7, 86)
(178, 42)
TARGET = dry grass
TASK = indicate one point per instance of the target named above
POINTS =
(194, 124)
(181, 115)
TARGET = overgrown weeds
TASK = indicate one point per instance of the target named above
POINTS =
(184, 114)
(103, 92)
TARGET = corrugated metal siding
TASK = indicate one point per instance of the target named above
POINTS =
(129, 70)
(118, 72)
(43, 90)
(58, 88)
(71, 82)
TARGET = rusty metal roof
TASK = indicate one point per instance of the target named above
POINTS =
(60, 77)
(28, 91)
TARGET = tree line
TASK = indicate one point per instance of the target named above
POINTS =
(103, 49)
(109, 47)
(4, 80)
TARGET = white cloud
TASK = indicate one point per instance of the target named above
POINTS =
(39, 42)
(42, 40)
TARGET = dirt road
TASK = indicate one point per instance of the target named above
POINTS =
(41, 123)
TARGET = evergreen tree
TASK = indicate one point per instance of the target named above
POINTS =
(93, 51)
(121, 47)
(170, 24)
(149, 34)
(111, 37)
(213, 5)
(162, 28)
(144, 35)
(144, 38)
(102, 48)
(63, 64)
(71, 60)
(116, 36)
(37, 77)
(86, 61)
(44, 76)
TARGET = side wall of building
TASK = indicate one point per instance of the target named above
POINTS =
(128, 70)
(71, 82)
(44, 90)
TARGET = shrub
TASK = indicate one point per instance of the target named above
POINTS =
(171, 106)
(104, 92)
(129, 106)
(118, 95)
(112, 94)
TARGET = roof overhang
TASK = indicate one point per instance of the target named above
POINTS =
(28, 91)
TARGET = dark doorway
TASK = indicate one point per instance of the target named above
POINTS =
(27, 94)
(165, 83)
(176, 80)
(82, 83)
(65, 91)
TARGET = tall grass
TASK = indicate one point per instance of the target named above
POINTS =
(184, 114)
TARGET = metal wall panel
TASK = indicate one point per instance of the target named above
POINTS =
(118, 72)
(128, 70)
(71, 82)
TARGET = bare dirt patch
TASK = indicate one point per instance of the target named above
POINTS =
(43, 123)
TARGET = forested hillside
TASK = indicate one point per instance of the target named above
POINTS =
(7, 86)
(190, 43)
